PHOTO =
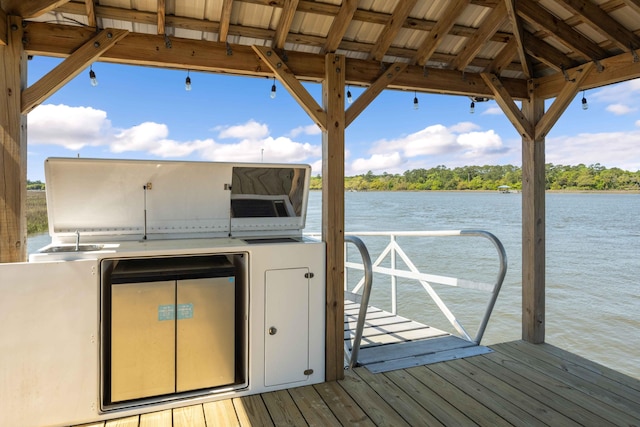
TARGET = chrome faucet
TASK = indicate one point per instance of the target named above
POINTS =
(77, 240)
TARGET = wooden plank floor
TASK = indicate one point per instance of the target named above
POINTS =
(518, 384)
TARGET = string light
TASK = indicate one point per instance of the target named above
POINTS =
(415, 101)
(585, 106)
(472, 108)
(92, 77)
(349, 97)
(187, 83)
(273, 88)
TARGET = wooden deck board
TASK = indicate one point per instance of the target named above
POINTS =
(518, 384)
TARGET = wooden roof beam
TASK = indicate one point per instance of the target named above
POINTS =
(69, 68)
(439, 31)
(537, 15)
(381, 83)
(90, 9)
(487, 29)
(284, 24)
(225, 20)
(391, 29)
(186, 54)
(339, 26)
(4, 28)
(562, 101)
(591, 14)
(518, 33)
(31, 8)
(508, 106)
(614, 70)
(290, 82)
(161, 17)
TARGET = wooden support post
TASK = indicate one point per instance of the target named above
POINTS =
(333, 210)
(13, 147)
(533, 225)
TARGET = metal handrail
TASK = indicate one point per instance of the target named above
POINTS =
(366, 293)
(426, 279)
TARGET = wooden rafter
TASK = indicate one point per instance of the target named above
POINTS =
(518, 32)
(339, 25)
(634, 4)
(508, 106)
(69, 68)
(566, 95)
(488, 27)
(374, 90)
(439, 31)
(290, 82)
(546, 53)
(31, 8)
(128, 15)
(603, 23)
(284, 24)
(503, 58)
(535, 14)
(161, 16)
(90, 7)
(225, 20)
(391, 29)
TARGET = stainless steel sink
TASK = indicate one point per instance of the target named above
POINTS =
(71, 248)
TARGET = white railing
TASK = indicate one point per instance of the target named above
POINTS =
(393, 251)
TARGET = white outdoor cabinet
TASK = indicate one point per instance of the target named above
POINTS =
(213, 284)
(286, 345)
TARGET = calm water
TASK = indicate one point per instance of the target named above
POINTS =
(592, 270)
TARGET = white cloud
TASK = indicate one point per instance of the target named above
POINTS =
(305, 130)
(464, 127)
(492, 111)
(435, 139)
(620, 109)
(377, 162)
(621, 97)
(76, 127)
(250, 130)
(610, 149)
(69, 127)
(625, 92)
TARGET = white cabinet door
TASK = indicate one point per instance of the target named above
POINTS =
(287, 326)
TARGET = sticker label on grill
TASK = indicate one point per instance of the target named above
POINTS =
(185, 311)
(166, 312)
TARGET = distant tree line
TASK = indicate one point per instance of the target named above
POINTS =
(35, 185)
(558, 177)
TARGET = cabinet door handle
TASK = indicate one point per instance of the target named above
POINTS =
(273, 330)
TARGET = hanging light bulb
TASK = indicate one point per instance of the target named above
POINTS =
(472, 108)
(92, 76)
(415, 101)
(187, 82)
(585, 106)
(349, 97)
(273, 88)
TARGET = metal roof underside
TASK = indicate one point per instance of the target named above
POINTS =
(447, 43)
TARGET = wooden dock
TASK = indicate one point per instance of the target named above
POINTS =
(519, 384)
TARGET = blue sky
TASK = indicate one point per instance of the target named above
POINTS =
(146, 113)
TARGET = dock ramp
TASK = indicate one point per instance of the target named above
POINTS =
(391, 342)
(383, 340)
